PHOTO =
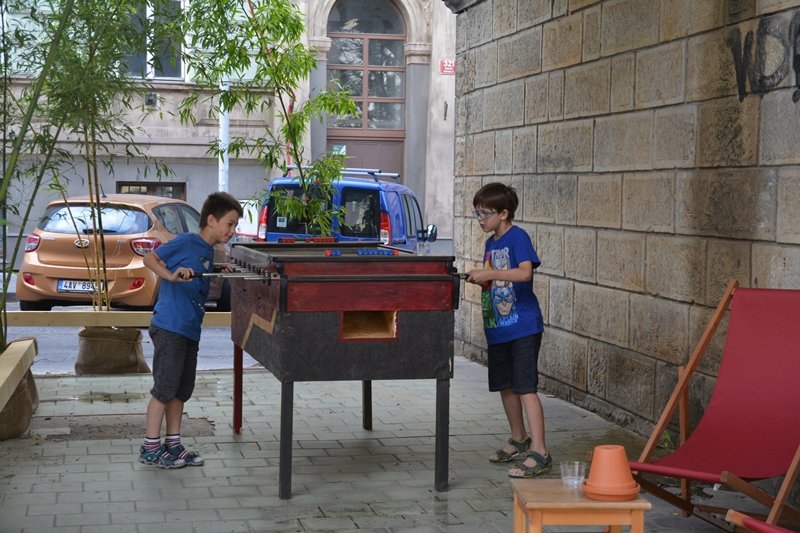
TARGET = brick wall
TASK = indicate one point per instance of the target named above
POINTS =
(656, 150)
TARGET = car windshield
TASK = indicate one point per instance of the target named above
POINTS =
(115, 219)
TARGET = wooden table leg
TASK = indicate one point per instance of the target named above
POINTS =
(637, 522)
(285, 461)
(535, 521)
(366, 405)
(238, 364)
(442, 434)
(519, 516)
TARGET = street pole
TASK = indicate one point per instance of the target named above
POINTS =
(224, 138)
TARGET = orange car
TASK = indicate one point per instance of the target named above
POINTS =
(54, 268)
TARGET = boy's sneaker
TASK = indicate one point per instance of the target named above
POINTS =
(160, 457)
(182, 454)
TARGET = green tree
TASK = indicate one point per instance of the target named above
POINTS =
(250, 56)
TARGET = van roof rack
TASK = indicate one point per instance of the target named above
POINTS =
(374, 173)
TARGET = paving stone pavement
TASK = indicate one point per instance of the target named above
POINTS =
(344, 478)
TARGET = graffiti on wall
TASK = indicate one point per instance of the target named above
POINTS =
(763, 60)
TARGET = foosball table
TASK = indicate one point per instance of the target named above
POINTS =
(329, 311)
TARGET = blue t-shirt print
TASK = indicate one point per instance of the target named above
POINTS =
(181, 304)
(510, 310)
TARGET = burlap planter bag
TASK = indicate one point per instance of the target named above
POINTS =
(108, 350)
(15, 418)
(33, 391)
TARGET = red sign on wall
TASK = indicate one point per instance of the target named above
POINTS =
(447, 66)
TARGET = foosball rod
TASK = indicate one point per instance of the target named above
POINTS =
(271, 275)
(250, 276)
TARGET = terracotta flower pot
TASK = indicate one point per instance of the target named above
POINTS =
(610, 476)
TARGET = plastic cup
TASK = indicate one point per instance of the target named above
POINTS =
(573, 473)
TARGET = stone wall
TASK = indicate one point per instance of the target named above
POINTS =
(654, 146)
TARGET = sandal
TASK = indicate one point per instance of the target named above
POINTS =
(540, 465)
(502, 456)
(180, 453)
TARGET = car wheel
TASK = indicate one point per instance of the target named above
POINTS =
(224, 302)
(34, 306)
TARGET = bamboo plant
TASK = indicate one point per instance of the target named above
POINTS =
(85, 101)
(18, 110)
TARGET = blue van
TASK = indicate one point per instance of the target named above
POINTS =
(375, 210)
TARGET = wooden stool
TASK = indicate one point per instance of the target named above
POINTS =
(546, 502)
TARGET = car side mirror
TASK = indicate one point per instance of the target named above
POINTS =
(432, 232)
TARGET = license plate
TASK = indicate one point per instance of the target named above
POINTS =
(76, 285)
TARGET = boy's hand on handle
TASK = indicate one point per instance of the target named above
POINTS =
(182, 274)
(479, 276)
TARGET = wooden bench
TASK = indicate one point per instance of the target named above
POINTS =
(121, 319)
(14, 364)
(136, 319)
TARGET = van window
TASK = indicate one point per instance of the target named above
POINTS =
(413, 215)
(281, 223)
(394, 206)
(362, 213)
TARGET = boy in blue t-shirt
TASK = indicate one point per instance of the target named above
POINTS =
(175, 327)
(512, 321)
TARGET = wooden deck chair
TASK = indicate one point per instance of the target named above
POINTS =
(753, 524)
(750, 429)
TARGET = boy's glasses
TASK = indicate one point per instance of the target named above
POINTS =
(482, 215)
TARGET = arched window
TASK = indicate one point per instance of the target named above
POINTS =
(367, 59)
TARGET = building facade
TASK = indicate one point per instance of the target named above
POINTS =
(384, 51)
(655, 149)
